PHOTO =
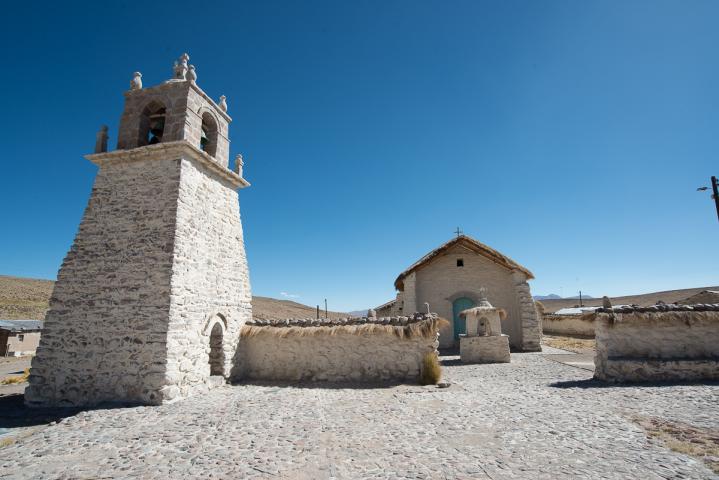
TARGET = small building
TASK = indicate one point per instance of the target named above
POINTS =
(449, 279)
(19, 337)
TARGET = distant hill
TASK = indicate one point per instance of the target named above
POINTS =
(645, 299)
(28, 298)
(551, 296)
(268, 308)
(554, 296)
(24, 298)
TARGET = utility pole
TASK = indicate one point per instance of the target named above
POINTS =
(715, 192)
(715, 189)
(318, 312)
(580, 299)
(326, 309)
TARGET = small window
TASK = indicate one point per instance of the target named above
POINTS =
(460, 262)
(20, 338)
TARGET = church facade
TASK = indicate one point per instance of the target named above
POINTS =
(449, 279)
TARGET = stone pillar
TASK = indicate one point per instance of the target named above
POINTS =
(530, 319)
(410, 294)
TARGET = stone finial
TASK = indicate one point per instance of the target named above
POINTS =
(223, 103)
(239, 162)
(192, 74)
(483, 294)
(101, 140)
(180, 68)
(136, 82)
(606, 303)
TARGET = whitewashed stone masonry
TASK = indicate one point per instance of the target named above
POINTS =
(658, 343)
(530, 319)
(157, 272)
(344, 350)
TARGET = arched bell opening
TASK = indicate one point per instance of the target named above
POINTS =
(217, 354)
(152, 124)
(208, 137)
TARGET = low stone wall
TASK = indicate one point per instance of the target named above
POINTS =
(568, 324)
(661, 343)
(359, 350)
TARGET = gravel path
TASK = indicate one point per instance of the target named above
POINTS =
(531, 419)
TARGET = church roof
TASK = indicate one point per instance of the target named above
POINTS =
(472, 245)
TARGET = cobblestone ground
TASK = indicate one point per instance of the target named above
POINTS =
(531, 419)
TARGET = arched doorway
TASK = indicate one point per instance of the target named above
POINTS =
(460, 304)
(217, 354)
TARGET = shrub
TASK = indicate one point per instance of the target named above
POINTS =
(431, 370)
(17, 379)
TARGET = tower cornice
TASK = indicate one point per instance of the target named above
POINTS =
(177, 149)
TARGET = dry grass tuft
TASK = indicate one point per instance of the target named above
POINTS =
(700, 443)
(6, 442)
(422, 329)
(17, 378)
(431, 370)
(572, 344)
(685, 317)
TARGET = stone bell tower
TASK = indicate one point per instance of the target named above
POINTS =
(151, 297)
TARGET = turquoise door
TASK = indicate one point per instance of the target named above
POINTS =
(462, 303)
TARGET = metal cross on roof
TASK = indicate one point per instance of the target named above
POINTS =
(459, 231)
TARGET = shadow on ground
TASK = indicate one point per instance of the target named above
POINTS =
(14, 413)
(325, 385)
(592, 383)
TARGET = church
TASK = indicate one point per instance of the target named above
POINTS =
(449, 279)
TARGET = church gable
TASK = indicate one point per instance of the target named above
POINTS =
(460, 261)
(460, 245)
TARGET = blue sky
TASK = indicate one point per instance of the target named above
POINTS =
(569, 135)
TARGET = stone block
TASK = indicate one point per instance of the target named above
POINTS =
(494, 349)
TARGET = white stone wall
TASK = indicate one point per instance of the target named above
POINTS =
(409, 301)
(210, 281)
(158, 260)
(324, 355)
(657, 346)
(568, 325)
(105, 335)
(440, 282)
(481, 349)
(529, 317)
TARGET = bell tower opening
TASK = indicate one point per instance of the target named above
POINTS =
(208, 138)
(152, 124)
